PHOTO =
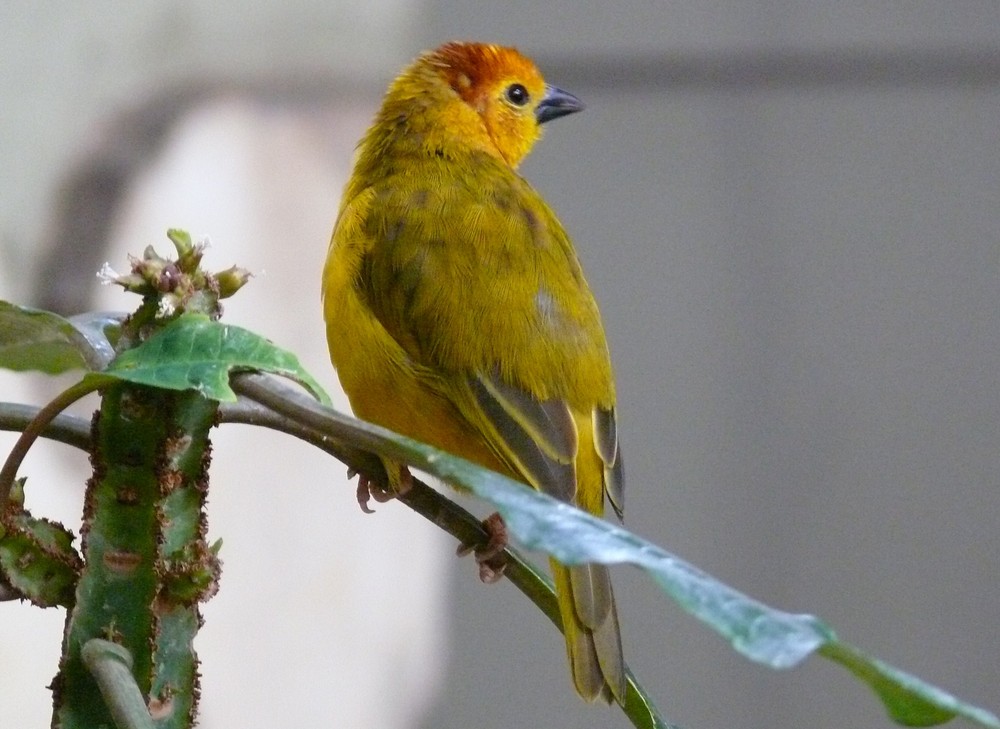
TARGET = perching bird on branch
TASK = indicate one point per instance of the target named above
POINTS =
(457, 312)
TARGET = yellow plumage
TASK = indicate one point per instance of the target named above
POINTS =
(457, 312)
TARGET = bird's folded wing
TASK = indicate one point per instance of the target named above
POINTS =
(538, 439)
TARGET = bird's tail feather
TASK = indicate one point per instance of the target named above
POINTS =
(590, 623)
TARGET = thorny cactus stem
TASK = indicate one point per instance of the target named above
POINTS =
(146, 562)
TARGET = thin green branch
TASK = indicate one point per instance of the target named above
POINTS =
(249, 411)
(72, 430)
(28, 436)
(64, 428)
(111, 666)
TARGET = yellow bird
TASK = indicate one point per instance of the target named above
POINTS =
(457, 312)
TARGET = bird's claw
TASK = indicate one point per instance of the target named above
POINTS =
(490, 556)
(369, 489)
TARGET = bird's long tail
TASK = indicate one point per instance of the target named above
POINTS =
(590, 623)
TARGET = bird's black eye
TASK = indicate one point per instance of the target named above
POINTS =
(517, 94)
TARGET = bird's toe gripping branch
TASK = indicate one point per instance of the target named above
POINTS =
(489, 556)
(369, 489)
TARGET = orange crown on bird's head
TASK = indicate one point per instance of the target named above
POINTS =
(473, 68)
(475, 96)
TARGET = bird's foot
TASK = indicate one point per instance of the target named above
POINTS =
(369, 489)
(489, 556)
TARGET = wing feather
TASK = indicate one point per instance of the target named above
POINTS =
(549, 423)
(606, 443)
(539, 437)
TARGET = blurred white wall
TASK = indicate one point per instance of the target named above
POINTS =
(67, 68)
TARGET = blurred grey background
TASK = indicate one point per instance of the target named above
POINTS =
(790, 215)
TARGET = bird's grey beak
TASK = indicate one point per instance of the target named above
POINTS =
(556, 103)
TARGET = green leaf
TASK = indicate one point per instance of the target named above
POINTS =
(763, 634)
(909, 700)
(40, 341)
(194, 352)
